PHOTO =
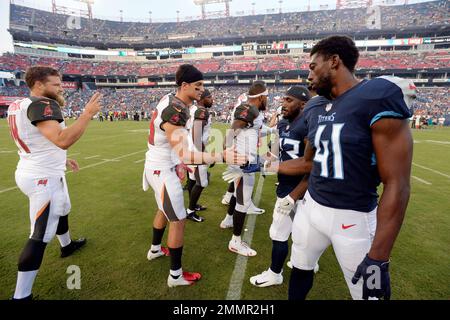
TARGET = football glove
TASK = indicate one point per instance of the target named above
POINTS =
(376, 279)
(231, 174)
(285, 205)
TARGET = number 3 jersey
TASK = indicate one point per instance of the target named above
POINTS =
(292, 135)
(345, 174)
(38, 155)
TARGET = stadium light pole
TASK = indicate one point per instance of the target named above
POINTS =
(121, 15)
(178, 16)
(253, 5)
(150, 17)
(281, 4)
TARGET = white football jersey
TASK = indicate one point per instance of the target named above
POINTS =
(160, 154)
(199, 113)
(247, 138)
(38, 155)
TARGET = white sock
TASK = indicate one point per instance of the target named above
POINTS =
(155, 248)
(64, 239)
(176, 273)
(189, 211)
(236, 238)
(228, 196)
(24, 283)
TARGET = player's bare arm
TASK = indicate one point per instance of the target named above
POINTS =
(393, 146)
(178, 139)
(297, 166)
(64, 138)
(300, 189)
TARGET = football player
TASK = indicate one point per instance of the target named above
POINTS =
(167, 156)
(199, 131)
(244, 134)
(292, 133)
(356, 141)
(38, 129)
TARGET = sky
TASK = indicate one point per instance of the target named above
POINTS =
(166, 10)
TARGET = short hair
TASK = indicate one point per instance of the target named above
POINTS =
(187, 73)
(257, 87)
(39, 73)
(343, 46)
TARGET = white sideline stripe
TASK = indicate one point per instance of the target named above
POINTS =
(92, 157)
(238, 275)
(142, 160)
(421, 180)
(89, 166)
(432, 170)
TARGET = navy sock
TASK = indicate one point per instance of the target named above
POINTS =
(300, 283)
(280, 251)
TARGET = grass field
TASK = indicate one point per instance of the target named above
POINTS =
(111, 210)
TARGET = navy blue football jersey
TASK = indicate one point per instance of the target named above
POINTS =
(345, 174)
(292, 146)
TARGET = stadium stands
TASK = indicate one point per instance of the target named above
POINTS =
(369, 60)
(54, 26)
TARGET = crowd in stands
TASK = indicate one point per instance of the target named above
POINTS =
(378, 60)
(392, 18)
(430, 103)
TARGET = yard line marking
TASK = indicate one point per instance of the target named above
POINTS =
(6, 151)
(142, 160)
(111, 160)
(73, 154)
(237, 277)
(432, 170)
(92, 157)
(438, 141)
(118, 158)
(9, 189)
(421, 180)
(89, 166)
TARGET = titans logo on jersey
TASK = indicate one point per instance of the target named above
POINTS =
(344, 174)
(292, 146)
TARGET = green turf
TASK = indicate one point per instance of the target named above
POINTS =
(111, 210)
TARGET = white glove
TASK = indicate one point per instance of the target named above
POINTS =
(231, 174)
(285, 205)
(265, 169)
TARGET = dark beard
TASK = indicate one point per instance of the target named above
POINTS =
(263, 107)
(57, 97)
(207, 105)
(324, 87)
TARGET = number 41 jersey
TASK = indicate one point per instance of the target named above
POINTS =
(345, 174)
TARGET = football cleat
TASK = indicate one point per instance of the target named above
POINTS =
(194, 216)
(227, 222)
(162, 252)
(199, 207)
(266, 279)
(186, 279)
(241, 247)
(255, 210)
(192, 276)
(73, 246)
